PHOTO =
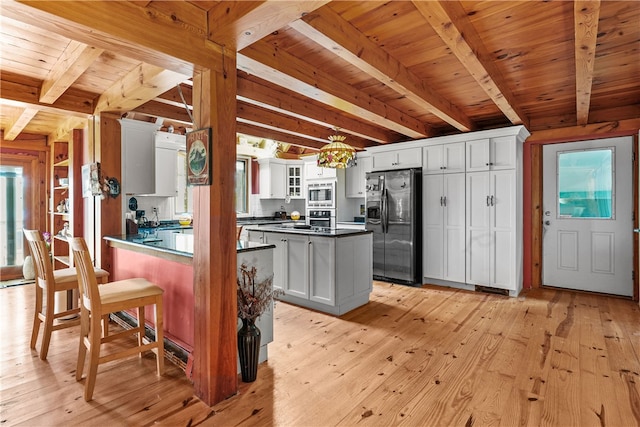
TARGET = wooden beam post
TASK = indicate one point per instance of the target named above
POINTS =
(215, 365)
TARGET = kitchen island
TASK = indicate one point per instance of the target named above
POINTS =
(165, 258)
(329, 270)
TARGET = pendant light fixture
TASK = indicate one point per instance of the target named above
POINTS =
(337, 154)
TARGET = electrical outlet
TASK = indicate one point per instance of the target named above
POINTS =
(155, 210)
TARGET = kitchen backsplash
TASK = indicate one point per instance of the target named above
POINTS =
(259, 207)
(267, 207)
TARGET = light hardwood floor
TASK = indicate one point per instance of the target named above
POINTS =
(416, 357)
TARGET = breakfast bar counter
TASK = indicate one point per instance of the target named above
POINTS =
(165, 258)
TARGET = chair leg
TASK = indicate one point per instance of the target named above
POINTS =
(48, 325)
(159, 337)
(36, 318)
(141, 323)
(95, 340)
(82, 349)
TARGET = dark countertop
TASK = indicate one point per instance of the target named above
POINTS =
(314, 231)
(172, 242)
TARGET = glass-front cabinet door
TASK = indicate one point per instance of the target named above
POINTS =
(294, 181)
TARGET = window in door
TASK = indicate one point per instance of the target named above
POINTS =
(11, 215)
(586, 184)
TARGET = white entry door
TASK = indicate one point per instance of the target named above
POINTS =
(588, 227)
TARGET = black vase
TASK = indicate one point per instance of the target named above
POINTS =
(249, 349)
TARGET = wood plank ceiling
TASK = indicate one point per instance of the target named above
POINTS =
(382, 72)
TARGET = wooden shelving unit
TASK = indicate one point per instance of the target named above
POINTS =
(65, 200)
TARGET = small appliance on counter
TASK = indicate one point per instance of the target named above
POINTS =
(280, 215)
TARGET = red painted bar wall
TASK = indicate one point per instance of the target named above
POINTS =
(177, 281)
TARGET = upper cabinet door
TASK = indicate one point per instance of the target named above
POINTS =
(503, 153)
(491, 154)
(445, 158)
(138, 157)
(478, 155)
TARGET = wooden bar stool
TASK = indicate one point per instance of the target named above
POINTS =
(96, 301)
(51, 281)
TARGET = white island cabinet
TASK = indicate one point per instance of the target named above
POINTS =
(329, 272)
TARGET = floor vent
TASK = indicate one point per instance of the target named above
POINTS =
(491, 290)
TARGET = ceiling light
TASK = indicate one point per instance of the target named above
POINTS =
(337, 154)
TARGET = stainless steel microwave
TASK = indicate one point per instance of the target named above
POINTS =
(321, 195)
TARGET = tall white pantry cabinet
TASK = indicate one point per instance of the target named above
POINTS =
(471, 208)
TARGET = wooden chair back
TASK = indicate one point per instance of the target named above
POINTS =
(41, 259)
(238, 231)
(87, 282)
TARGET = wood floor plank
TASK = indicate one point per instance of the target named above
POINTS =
(412, 356)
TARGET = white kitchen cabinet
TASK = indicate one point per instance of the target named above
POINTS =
(329, 274)
(397, 159)
(297, 265)
(443, 158)
(138, 156)
(280, 178)
(491, 229)
(491, 154)
(167, 146)
(295, 188)
(313, 171)
(322, 260)
(273, 179)
(355, 177)
(444, 241)
(279, 254)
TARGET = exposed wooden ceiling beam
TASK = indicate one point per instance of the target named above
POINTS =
(335, 34)
(450, 22)
(287, 102)
(140, 85)
(19, 123)
(169, 40)
(73, 62)
(167, 111)
(20, 93)
(65, 126)
(283, 69)
(242, 23)
(586, 15)
(288, 124)
(277, 100)
(267, 133)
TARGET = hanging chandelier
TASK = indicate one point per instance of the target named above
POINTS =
(337, 154)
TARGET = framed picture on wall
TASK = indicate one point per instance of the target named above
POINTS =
(199, 157)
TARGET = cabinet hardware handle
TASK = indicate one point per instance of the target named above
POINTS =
(488, 200)
(486, 164)
(440, 200)
(444, 167)
(491, 200)
(445, 201)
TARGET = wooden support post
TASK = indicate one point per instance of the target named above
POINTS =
(214, 259)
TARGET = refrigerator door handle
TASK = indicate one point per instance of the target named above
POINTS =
(385, 211)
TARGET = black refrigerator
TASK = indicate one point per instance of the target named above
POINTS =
(394, 214)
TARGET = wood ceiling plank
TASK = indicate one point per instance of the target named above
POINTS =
(329, 30)
(586, 15)
(283, 69)
(449, 20)
(74, 61)
(142, 84)
(242, 23)
(21, 121)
